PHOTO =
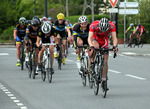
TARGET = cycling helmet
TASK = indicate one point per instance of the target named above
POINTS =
(139, 25)
(35, 22)
(83, 19)
(46, 27)
(60, 16)
(49, 18)
(44, 19)
(104, 24)
(36, 17)
(131, 24)
(22, 21)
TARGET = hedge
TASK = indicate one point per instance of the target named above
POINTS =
(74, 19)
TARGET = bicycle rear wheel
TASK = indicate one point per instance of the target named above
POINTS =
(34, 65)
(59, 60)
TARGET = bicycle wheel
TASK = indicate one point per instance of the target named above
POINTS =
(82, 69)
(49, 73)
(59, 60)
(67, 49)
(96, 75)
(43, 73)
(34, 64)
(29, 66)
(104, 88)
(22, 57)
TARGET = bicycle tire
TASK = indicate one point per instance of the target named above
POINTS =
(22, 57)
(43, 75)
(34, 64)
(82, 69)
(49, 73)
(59, 60)
(104, 88)
(96, 76)
(29, 66)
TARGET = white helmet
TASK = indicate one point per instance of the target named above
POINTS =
(83, 19)
(104, 24)
(46, 27)
(131, 24)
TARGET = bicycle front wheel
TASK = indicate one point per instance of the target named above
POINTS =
(43, 73)
(22, 57)
(49, 73)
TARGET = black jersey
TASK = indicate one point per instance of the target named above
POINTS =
(31, 32)
(21, 32)
(45, 39)
(79, 32)
(60, 27)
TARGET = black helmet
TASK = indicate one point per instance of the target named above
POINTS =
(139, 25)
(35, 22)
(37, 17)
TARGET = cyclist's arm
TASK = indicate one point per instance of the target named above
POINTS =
(69, 33)
(15, 33)
(75, 41)
(90, 38)
(114, 38)
(135, 30)
(38, 41)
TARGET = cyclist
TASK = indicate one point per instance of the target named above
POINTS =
(60, 27)
(80, 33)
(98, 38)
(46, 35)
(50, 19)
(37, 17)
(19, 34)
(141, 30)
(31, 37)
(132, 28)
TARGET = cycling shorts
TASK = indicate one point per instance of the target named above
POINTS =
(18, 40)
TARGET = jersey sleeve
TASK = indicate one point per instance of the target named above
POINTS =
(112, 27)
(53, 31)
(17, 26)
(129, 28)
(91, 28)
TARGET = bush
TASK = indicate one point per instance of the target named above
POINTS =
(7, 34)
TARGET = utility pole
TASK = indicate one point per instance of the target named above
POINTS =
(45, 8)
(124, 22)
(67, 12)
(34, 10)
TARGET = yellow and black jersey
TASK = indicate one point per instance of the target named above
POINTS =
(77, 31)
(60, 27)
(21, 32)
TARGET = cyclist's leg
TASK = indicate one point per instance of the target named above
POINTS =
(18, 44)
(41, 54)
(28, 49)
(79, 43)
(51, 49)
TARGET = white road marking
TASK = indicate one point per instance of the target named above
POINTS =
(129, 53)
(136, 77)
(4, 54)
(9, 94)
(113, 71)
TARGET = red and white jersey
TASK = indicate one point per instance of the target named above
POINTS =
(94, 27)
(101, 37)
(140, 29)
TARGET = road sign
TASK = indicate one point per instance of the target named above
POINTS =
(129, 11)
(129, 4)
(113, 2)
(113, 10)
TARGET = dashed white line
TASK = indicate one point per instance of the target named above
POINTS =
(9, 94)
(136, 77)
(113, 71)
(3, 54)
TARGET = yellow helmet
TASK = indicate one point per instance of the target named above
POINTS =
(60, 16)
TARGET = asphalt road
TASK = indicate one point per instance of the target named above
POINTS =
(129, 80)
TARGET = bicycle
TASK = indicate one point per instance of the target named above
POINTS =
(84, 70)
(46, 63)
(32, 62)
(97, 74)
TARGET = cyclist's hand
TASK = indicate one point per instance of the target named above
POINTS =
(15, 40)
(40, 47)
(91, 50)
(115, 49)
